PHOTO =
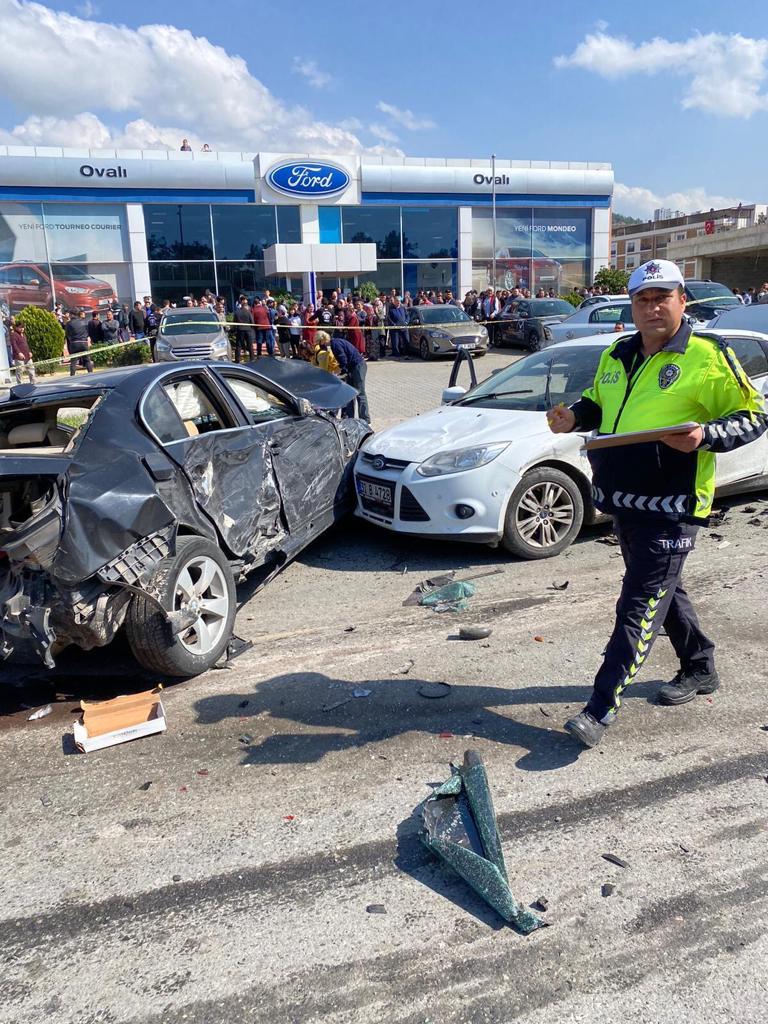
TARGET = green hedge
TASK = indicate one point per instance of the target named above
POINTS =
(130, 355)
(573, 297)
(44, 334)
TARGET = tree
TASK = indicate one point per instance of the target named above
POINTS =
(368, 291)
(44, 334)
(614, 280)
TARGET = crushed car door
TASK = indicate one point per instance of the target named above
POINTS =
(305, 450)
(228, 465)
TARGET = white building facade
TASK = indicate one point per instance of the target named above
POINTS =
(86, 227)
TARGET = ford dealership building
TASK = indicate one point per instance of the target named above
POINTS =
(83, 226)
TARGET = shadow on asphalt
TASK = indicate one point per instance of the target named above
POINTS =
(395, 708)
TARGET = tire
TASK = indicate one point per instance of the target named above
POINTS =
(528, 535)
(534, 340)
(148, 632)
(424, 349)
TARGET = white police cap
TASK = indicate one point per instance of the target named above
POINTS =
(655, 274)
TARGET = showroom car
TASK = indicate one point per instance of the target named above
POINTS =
(526, 322)
(485, 467)
(138, 497)
(29, 284)
(188, 333)
(444, 329)
(602, 318)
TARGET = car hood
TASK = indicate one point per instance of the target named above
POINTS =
(191, 340)
(452, 427)
(455, 330)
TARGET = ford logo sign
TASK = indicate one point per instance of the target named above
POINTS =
(311, 179)
(379, 462)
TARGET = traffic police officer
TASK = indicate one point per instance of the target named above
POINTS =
(658, 493)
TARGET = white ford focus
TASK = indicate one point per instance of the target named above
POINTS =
(484, 467)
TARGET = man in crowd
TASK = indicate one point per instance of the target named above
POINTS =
(137, 322)
(244, 329)
(95, 333)
(352, 367)
(78, 343)
(397, 320)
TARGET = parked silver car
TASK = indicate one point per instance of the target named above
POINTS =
(599, 318)
(191, 334)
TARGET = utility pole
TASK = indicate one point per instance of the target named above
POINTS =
(493, 214)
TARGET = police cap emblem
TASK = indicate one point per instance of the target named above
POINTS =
(668, 374)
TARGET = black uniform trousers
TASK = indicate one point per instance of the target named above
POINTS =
(652, 596)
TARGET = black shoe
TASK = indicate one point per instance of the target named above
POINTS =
(686, 685)
(586, 728)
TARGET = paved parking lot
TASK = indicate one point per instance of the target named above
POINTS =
(222, 872)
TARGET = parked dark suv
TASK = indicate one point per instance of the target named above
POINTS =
(524, 322)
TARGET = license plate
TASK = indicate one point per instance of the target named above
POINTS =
(466, 345)
(380, 493)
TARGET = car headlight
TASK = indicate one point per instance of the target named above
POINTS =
(461, 460)
(162, 342)
(547, 334)
(75, 291)
(438, 334)
(219, 343)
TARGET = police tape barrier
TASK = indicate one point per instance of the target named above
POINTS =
(93, 350)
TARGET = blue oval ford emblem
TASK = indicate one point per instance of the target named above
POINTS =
(308, 178)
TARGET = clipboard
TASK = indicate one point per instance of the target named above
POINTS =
(635, 436)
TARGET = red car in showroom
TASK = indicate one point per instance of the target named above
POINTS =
(31, 284)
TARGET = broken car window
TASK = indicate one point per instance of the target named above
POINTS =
(195, 409)
(46, 429)
(161, 417)
(261, 406)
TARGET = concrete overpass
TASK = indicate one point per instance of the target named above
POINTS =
(738, 259)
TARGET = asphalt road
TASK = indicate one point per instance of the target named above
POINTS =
(234, 886)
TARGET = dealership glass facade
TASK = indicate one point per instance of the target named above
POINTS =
(80, 252)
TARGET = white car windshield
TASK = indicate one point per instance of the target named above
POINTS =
(523, 386)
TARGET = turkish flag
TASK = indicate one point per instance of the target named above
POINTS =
(709, 227)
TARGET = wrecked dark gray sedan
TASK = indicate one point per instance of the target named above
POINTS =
(139, 497)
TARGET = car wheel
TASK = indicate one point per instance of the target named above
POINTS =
(533, 340)
(198, 579)
(544, 514)
(424, 349)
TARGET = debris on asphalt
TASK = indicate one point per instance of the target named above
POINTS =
(41, 713)
(764, 728)
(203, 772)
(404, 669)
(755, 522)
(717, 536)
(610, 539)
(474, 632)
(459, 826)
(542, 903)
(544, 712)
(350, 629)
(105, 723)
(237, 646)
(613, 859)
(561, 586)
(539, 639)
(748, 509)
(451, 598)
(445, 735)
(177, 878)
(360, 692)
(243, 703)
(428, 586)
(607, 889)
(337, 704)
(145, 786)
(245, 739)
(45, 800)
(289, 817)
(434, 690)
(725, 544)
(684, 848)
(375, 908)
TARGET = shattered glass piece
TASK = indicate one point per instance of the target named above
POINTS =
(41, 713)
(459, 826)
(453, 596)
(613, 859)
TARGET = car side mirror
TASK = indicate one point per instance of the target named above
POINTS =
(453, 394)
(305, 407)
(35, 281)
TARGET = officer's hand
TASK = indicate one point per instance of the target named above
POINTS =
(561, 420)
(684, 442)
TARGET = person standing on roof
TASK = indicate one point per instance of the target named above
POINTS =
(659, 493)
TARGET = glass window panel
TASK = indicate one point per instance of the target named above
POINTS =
(379, 224)
(509, 274)
(242, 232)
(288, 224)
(329, 219)
(430, 232)
(21, 233)
(178, 232)
(513, 233)
(563, 234)
(561, 275)
(386, 277)
(429, 275)
(237, 279)
(175, 280)
(79, 233)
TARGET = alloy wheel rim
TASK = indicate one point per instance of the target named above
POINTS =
(202, 589)
(544, 514)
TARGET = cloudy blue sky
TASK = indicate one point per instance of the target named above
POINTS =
(675, 96)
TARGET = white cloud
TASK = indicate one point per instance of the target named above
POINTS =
(87, 9)
(725, 73)
(635, 201)
(380, 131)
(351, 124)
(406, 118)
(166, 84)
(308, 69)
